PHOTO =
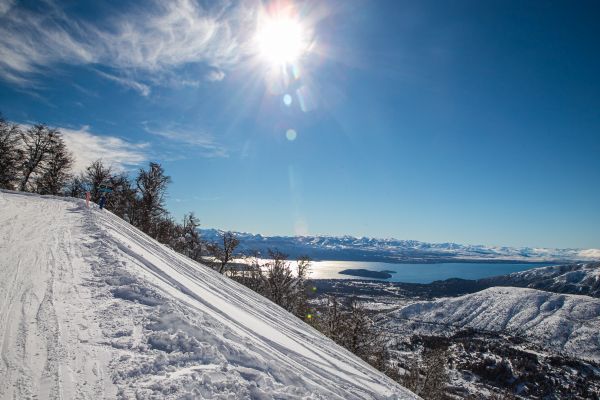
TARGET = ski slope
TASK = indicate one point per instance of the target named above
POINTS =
(92, 308)
(562, 323)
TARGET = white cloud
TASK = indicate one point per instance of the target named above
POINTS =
(143, 89)
(88, 147)
(202, 142)
(215, 75)
(153, 38)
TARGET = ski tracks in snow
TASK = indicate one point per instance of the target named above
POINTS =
(202, 335)
(45, 308)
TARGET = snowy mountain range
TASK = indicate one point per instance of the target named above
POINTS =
(349, 248)
(91, 307)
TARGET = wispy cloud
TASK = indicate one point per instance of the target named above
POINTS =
(116, 152)
(30, 41)
(215, 75)
(174, 33)
(201, 142)
(153, 39)
(5, 5)
(142, 88)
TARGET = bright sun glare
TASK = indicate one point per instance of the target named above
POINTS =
(281, 40)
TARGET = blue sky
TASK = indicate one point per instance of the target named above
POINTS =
(473, 122)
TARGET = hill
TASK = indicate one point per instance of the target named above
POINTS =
(93, 308)
(559, 323)
(571, 278)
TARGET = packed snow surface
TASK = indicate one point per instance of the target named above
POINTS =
(92, 308)
(561, 323)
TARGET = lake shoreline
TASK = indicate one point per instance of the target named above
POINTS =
(414, 272)
(447, 261)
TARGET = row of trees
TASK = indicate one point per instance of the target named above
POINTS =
(36, 159)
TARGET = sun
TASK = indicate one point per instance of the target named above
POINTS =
(281, 40)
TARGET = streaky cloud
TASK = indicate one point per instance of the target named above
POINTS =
(151, 40)
(139, 87)
(203, 143)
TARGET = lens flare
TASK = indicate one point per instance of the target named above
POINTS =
(291, 135)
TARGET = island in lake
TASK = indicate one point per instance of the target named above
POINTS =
(365, 273)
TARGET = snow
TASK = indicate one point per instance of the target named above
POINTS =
(561, 323)
(92, 308)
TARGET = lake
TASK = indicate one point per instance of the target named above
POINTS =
(418, 273)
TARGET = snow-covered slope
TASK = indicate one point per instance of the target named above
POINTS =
(558, 322)
(571, 278)
(395, 250)
(92, 308)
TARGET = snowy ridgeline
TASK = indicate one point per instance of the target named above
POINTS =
(572, 279)
(393, 250)
(559, 323)
(90, 307)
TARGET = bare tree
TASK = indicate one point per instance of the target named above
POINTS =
(55, 172)
(300, 304)
(94, 176)
(37, 144)
(251, 275)
(187, 238)
(332, 320)
(152, 186)
(165, 230)
(76, 186)
(122, 201)
(193, 242)
(361, 336)
(351, 327)
(278, 278)
(429, 378)
(224, 250)
(11, 154)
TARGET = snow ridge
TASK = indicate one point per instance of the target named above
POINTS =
(93, 308)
